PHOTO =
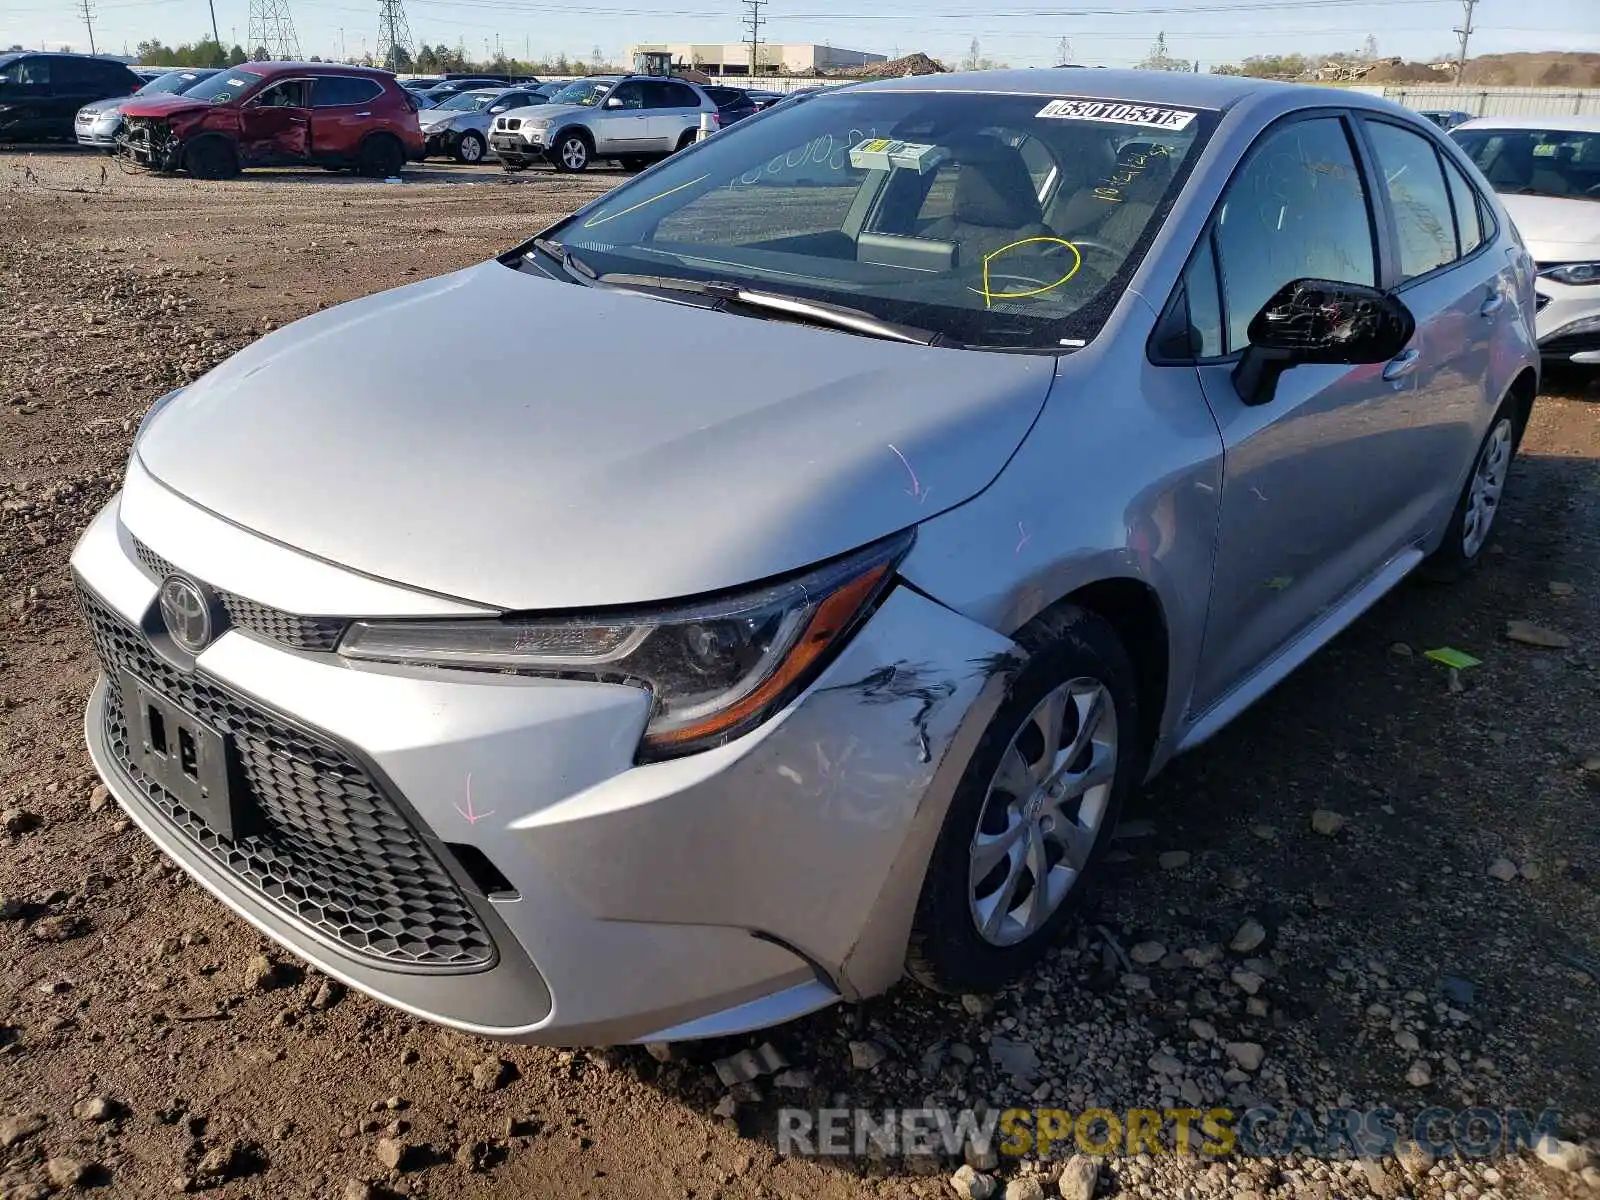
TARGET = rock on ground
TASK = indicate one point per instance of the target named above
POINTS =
(1078, 1178)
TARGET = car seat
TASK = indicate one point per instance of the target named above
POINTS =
(994, 203)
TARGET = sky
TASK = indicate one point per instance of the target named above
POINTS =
(1017, 32)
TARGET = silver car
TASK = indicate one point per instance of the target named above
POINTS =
(636, 119)
(1547, 171)
(1050, 431)
(99, 124)
(459, 125)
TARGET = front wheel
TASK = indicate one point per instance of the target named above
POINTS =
(1479, 505)
(470, 148)
(572, 153)
(211, 158)
(1034, 810)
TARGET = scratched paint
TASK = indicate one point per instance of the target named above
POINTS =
(469, 814)
(916, 491)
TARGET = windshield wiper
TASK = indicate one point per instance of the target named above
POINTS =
(817, 312)
(574, 266)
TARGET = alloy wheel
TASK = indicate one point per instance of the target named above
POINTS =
(1488, 482)
(471, 149)
(574, 154)
(1043, 813)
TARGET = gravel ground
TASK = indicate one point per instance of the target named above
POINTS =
(1381, 886)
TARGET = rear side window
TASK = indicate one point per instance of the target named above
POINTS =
(1419, 197)
(670, 95)
(1469, 208)
(333, 91)
(1295, 209)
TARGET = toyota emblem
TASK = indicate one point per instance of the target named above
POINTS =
(187, 612)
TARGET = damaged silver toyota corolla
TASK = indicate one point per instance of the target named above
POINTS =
(850, 513)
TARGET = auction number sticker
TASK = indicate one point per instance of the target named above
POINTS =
(1118, 113)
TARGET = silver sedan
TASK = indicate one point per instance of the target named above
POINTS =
(458, 126)
(1056, 417)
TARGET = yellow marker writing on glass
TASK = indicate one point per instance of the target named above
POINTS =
(989, 297)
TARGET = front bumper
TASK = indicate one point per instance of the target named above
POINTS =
(696, 897)
(101, 135)
(1568, 321)
(513, 148)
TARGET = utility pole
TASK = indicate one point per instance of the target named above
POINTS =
(88, 20)
(1462, 34)
(752, 22)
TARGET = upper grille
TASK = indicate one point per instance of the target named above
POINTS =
(511, 123)
(328, 848)
(298, 633)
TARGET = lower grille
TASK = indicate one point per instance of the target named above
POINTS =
(328, 848)
(298, 633)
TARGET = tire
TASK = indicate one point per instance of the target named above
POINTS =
(635, 162)
(381, 157)
(687, 139)
(1472, 522)
(211, 158)
(571, 152)
(1076, 656)
(471, 148)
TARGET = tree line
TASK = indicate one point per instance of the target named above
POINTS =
(429, 60)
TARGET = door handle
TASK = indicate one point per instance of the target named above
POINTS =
(365, 114)
(1402, 364)
(1491, 306)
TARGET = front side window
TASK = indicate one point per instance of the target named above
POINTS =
(628, 95)
(35, 71)
(916, 207)
(11, 72)
(291, 93)
(1296, 209)
(1419, 197)
(1535, 162)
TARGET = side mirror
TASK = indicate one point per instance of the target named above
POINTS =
(498, 108)
(613, 102)
(1320, 321)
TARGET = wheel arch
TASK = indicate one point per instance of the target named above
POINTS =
(1521, 394)
(578, 128)
(206, 137)
(1133, 608)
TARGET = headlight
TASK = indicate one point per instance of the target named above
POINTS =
(538, 128)
(1574, 273)
(715, 668)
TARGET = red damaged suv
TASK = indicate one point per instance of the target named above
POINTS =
(277, 114)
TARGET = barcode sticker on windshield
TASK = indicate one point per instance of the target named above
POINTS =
(1118, 113)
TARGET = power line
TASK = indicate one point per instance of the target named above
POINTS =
(394, 34)
(752, 22)
(1462, 34)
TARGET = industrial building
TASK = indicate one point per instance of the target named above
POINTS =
(772, 58)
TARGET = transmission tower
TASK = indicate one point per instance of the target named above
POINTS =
(271, 26)
(752, 22)
(394, 34)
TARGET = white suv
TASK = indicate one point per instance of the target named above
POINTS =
(634, 118)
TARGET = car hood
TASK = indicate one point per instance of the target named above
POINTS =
(553, 112)
(104, 108)
(162, 106)
(528, 444)
(1556, 228)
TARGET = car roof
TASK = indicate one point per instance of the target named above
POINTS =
(1563, 123)
(1152, 87)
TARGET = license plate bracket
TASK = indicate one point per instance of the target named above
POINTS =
(195, 763)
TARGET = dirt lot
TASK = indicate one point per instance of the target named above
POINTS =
(147, 1047)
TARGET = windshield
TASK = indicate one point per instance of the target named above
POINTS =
(1536, 162)
(225, 85)
(994, 220)
(171, 82)
(587, 92)
(467, 102)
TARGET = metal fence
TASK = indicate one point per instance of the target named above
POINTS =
(772, 83)
(1493, 101)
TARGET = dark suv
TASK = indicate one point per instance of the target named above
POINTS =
(278, 114)
(41, 93)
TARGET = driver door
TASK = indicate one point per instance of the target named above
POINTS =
(275, 126)
(1318, 494)
(622, 123)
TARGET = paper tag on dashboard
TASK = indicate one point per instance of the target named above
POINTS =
(883, 154)
(1118, 112)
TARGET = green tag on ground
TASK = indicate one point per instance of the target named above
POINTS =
(1452, 657)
